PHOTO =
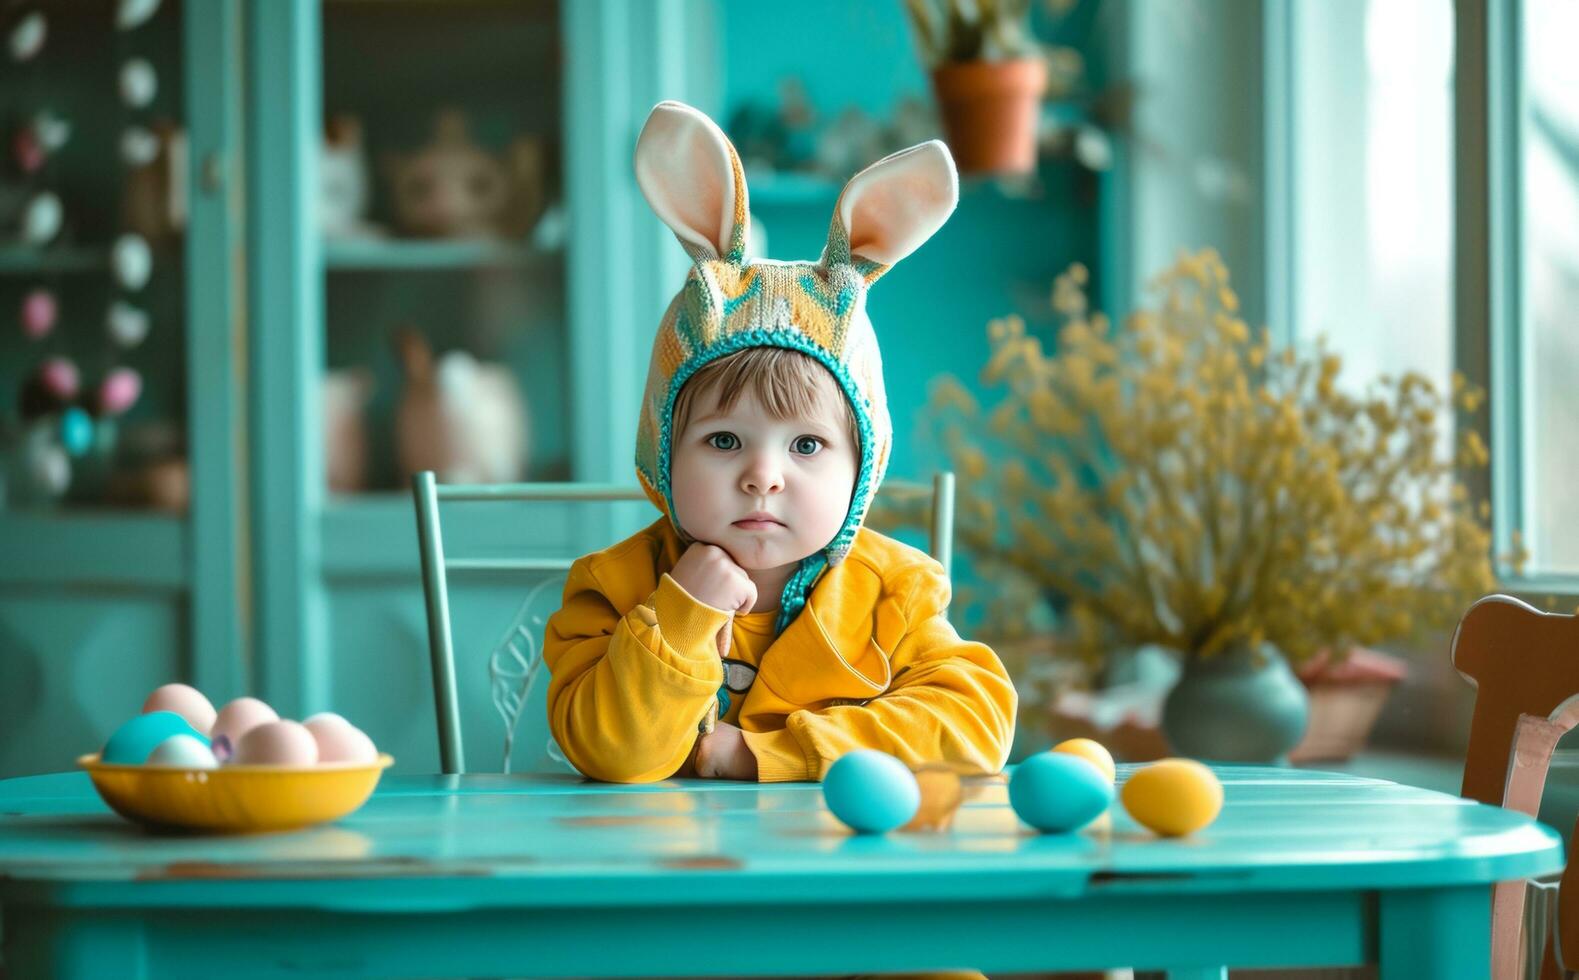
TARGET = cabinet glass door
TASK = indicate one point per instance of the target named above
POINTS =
(444, 243)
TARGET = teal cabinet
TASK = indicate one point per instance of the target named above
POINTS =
(268, 581)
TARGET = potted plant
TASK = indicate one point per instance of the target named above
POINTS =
(989, 75)
(1180, 484)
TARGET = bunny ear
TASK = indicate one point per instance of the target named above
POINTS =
(889, 209)
(692, 178)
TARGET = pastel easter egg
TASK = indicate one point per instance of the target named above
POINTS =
(188, 702)
(1092, 751)
(132, 743)
(27, 149)
(119, 390)
(1173, 797)
(184, 752)
(139, 146)
(139, 83)
(76, 431)
(60, 378)
(132, 261)
(1057, 792)
(52, 130)
(48, 468)
(239, 717)
(134, 13)
(41, 218)
(39, 313)
(871, 792)
(27, 37)
(277, 743)
(339, 740)
(126, 324)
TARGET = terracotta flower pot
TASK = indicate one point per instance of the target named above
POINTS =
(990, 113)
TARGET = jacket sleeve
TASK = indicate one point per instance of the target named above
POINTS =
(628, 691)
(950, 701)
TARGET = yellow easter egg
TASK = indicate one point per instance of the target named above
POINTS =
(1091, 751)
(1173, 797)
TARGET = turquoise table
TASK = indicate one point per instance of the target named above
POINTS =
(544, 876)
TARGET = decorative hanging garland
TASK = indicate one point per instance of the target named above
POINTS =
(60, 418)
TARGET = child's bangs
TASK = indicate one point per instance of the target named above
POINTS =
(786, 383)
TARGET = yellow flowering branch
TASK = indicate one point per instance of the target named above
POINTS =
(1179, 482)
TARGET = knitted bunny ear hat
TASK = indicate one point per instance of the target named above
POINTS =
(692, 177)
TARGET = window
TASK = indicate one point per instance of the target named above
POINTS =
(1548, 323)
(1371, 184)
(1363, 132)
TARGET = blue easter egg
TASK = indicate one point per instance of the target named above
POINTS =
(133, 741)
(871, 791)
(76, 431)
(1057, 792)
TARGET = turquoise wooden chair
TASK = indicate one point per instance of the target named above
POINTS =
(531, 703)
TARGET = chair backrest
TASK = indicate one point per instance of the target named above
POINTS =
(437, 565)
(1525, 667)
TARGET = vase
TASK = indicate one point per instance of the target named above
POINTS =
(1242, 704)
(990, 111)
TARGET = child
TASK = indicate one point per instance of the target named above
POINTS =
(757, 631)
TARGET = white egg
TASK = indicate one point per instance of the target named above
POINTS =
(139, 83)
(126, 324)
(133, 13)
(132, 261)
(48, 467)
(139, 146)
(42, 218)
(27, 37)
(183, 751)
(52, 130)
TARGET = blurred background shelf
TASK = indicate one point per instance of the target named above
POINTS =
(25, 260)
(413, 255)
(94, 548)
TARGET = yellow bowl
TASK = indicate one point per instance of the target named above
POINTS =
(233, 799)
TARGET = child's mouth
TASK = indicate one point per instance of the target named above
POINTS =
(757, 525)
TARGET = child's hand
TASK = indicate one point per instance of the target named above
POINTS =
(708, 573)
(723, 754)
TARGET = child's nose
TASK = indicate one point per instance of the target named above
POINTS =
(763, 475)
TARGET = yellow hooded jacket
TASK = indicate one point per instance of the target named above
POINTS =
(871, 662)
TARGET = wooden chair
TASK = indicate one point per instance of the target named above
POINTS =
(1524, 665)
(437, 565)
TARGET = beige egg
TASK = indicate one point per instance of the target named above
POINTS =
(239, 717)
(277, 743)
(188, 702)
(340, 741)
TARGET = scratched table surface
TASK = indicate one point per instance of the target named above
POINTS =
(485, 875)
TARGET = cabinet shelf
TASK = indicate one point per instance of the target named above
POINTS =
(407, 255)
(27, 260)
(94, 547)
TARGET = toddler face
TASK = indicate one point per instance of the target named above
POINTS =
(729, 468)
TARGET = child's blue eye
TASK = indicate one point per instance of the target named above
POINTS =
(723, 440)
(807, 445)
